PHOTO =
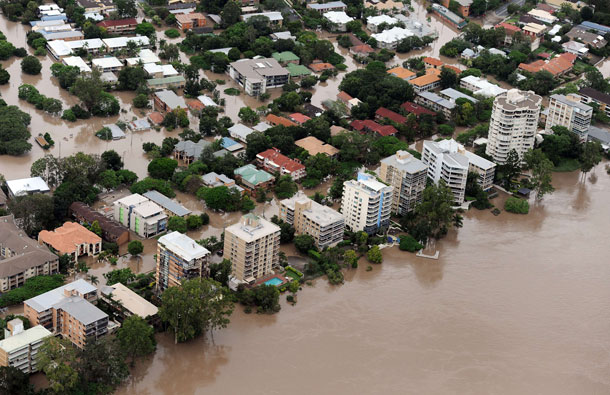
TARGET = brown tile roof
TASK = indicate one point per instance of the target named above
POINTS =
(156, 117)
(432, 61)
(299, 118)
(416, 109)
(556, 66)
(450, 67)
(363, 48)
(383, 112)
(318, 67)
(109, 227)
(118, 22)
(424, 80)
(276, 120)
(344, 97)
(315, 146)
(195, 104)
(67, 237)
(401, 72)
(509, 28)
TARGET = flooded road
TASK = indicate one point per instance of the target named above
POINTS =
(515, 304)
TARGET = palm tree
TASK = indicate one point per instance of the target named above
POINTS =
(94, 279)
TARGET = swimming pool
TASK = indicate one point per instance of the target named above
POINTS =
(274, 281)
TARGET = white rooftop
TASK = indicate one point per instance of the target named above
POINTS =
(131, 200)
(46, 300)
(77, 61)
(107, 63)
(130, 300)
(392, 35)
(145, 56)
(120, 42)
(272, 15)
(378, 20)
(24, 338)
(485, 88)
(371, 182)
(183, 246)
(167, 69)
(148, 208)
(24, 186)
(338, 17)
(207, 101)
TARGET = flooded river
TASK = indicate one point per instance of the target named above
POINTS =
(515, 304)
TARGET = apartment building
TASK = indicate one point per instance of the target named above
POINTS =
(119, 26)
(22, 257)
(480, 86)
(19, 347)
(568, 111)
(366, 204)
(463, 6)
(513, 124)
(308, 217)
(72, 239)
(258, 75)
(273, 161)
(252, 245)
(179, 258)
(590, 95)
(407, 175)
(69, 311)
(449, 161)
(190, 21)
(112, 231)
(141, 215)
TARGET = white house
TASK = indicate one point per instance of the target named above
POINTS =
(339, 19)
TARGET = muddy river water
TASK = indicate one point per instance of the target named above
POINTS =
(514, 305)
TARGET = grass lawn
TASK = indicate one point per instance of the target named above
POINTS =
(580, 66)
(567, 165)
(292, 275)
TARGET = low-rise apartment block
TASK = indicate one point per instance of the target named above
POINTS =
(21, 257)
(275, 162)
(179, 258)
(112, 231)
(366, 204)
(19, 347)
(568, 111)
(323, 223)
(252, 245)
(69, 311)
(407, 175)
(258, 75)
(590, 95)
(72, 239)
(139, 214)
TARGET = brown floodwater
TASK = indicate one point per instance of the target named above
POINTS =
(515, 304)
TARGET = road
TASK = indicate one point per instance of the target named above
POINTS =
(503, 10)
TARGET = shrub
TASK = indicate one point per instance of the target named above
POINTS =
(408, 243)
(4, 76)
(172, 33)
(20, 52)
(31, 65)
(516, 205)
(177, 224)
(68, 115)
(104, 133)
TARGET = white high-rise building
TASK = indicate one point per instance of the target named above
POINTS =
(366, 204)
(407, 175)
(449, 161)
(513, 124)
(568, 111)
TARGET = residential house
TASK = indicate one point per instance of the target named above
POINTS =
(240, 132)
(346, 99)
(285, 57)
(557, 66)
(338, 20)
(72, 239)
(189, 151)
(97, 6)
(26, 186)
(542, 16)
(179, 258)
(164, 83)
(402, 73)
(576, 48)
(383, 113)
(298, 118)
(319, 66)
(273, 161)
(314, 146)
(416, 109)
(429, 81)
(390, 38)
(112, 231)
(436, 103)
(373, 127)
(595, 40)
(252, 178)
(373, 22)
(308, 217)
(166, 101)
(119, 26)
(509, 30)
(252, 245)
(323, 8)
(118, 43)
(480, 86)
(69, 311)
(275, 17)
(22, 257)
(109, 63)
(276, 120)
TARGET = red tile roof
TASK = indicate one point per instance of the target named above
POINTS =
(433, 61)
(556, 66)
(68, 237)
(363, 48)
(357, 124)
(343, 96)
(450, 67)
(195, 104)
(545, 7)
(273, 155)
(156, 117)
(386, 130)
(367, 124)
(118, 22)
(275, 120)
(317, 67)
(299, 118)
(383, 112)
(416, 109)
(544, 55)
(510, 28)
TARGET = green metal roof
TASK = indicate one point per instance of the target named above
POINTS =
(297, 70)
(285, 56)
(253, 175)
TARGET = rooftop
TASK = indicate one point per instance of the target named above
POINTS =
(25, 186)
(595, 94)
(317, 213)
(167, 203)
(433, 97)
(326, 6)
(315, 146)
(20, 340)
(272, 15)
(131, 200)
(183, 246)
(485, 88)
(68, 237)
(130, 300)
(48, 299)
(257, 69)
(338, 17)
(401, 72)
(109, 62)
(378, 20)
(572, 103)
(77, 61)
(148, 209)
(371, 183)
(406, 162)
(170, 99)
(274, 156)
(453, 95)
(120, 42)
(392, 35)
(251, 227)
(253, 175)
(81, 309)
(285, 56)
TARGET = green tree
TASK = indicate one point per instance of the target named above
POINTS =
(221, 271)
(34, 212)
(248, 115)
(516, 205)
(408, 243)
(436, 209)
(101, 366)
(136, 337)
(141, 101)
(196, 306)
(124, 276)
(448, 77)
(304, 243)
(591, 155)
(162, 168)
(145, 29)
(177, 224)
(89, 89)
(194, 222)
(126, 8)
(14, 133)
(374, 255)
(230, 13)
(351, 258)
(96, 228)
(542, 172)
(285, 187)
(511, 168)
(112, 160)
(56, 357)
(135, 247)
(14, 381)
(31, 65)
(4, 76)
